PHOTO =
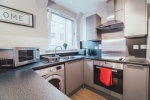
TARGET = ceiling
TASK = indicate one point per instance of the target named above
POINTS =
(77, 6)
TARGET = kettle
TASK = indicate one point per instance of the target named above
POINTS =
(88, 52)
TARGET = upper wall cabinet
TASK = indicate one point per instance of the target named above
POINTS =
(120, 15)
(135, 18)
(119, 5)
(92, 22)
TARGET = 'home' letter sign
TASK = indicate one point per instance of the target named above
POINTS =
(13, 16)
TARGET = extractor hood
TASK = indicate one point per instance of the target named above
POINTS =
(111, 24)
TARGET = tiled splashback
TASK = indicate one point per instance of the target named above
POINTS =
(136, 47)
(94, 46)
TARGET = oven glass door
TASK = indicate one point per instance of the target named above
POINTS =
(25, 55)
(117, 79)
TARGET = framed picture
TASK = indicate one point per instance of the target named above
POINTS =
(17, 17)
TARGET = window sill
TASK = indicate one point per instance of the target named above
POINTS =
(60, 51)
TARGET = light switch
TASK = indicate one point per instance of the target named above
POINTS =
(142, 46)
(135, 46)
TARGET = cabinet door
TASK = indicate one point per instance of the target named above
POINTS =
(135, 18)
(135, 84)
(74, 75)
(91, 23)
(88, 72)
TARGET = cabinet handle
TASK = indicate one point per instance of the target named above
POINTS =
(134, 65)
(112, 69)
(74, 61)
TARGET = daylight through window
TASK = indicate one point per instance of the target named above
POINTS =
(62, 30)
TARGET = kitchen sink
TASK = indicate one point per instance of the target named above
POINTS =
(52, 59)
(68, 57)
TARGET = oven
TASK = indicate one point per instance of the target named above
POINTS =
(117, 76)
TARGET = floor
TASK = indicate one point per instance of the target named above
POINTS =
(85, 94)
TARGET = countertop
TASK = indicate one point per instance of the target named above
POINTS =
(40, 65)
(23, 83)
(144, 62)
(128, 60)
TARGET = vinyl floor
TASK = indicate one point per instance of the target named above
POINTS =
(85, 94)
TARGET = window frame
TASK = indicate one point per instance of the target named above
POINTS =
(49, 13)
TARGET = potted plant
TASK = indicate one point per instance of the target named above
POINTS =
(65, 46)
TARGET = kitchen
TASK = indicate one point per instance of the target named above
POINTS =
(74, 50)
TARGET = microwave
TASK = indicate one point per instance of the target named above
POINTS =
(18, 56)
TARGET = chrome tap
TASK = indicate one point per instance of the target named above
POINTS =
(56, 49)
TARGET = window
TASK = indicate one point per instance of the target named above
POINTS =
(52, 35)
(52, 23)
(62, 30)
(60, 25)
(61, 36)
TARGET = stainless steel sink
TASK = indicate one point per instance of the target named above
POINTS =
(52, 59)
(67, 57)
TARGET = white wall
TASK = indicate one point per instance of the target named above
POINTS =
(63, 11)
(15, 35)
(102, 12)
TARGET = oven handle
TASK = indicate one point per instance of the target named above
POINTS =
(112, 69)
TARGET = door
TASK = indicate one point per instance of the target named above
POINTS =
(56, 81)
(88, 72)
(135, 84)
(74, 75)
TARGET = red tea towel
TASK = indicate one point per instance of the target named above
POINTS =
(106, 76)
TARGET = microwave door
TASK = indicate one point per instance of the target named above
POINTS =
(20, 57)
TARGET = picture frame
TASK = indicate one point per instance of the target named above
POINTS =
(14, 16)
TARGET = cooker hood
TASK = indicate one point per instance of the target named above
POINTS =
(111, 25)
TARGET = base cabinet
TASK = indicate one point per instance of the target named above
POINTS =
(135, 86)
(74, 75)
(88, 72)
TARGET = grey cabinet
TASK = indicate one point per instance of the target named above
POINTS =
(91, 24)
(135, 83)
(74, 75)
(135, 18)
(88, 72)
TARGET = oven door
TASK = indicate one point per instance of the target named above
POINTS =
(24, 55)
(117, 79)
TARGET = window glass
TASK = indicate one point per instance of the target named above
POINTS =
(61, 30)
(52, 23)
